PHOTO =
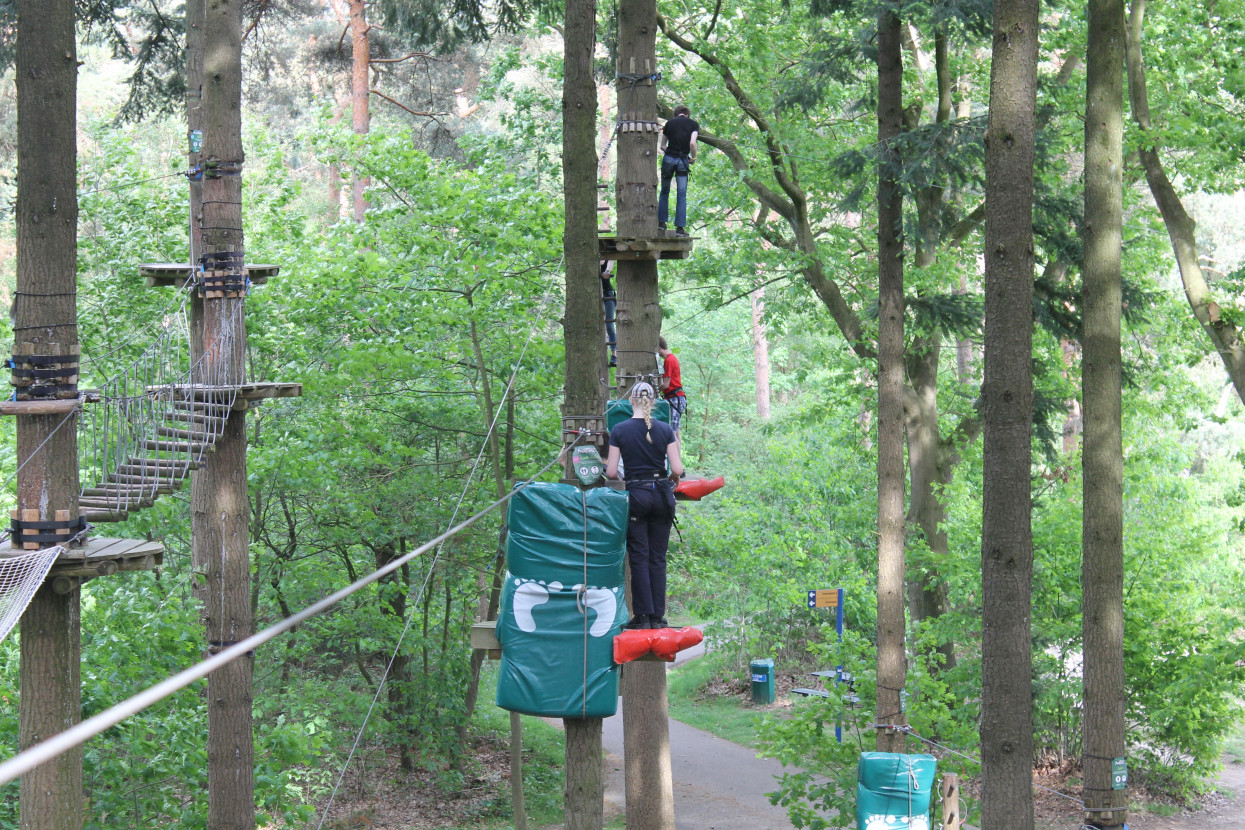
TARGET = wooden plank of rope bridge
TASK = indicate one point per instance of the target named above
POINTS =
(104, 557)
(176, 274)
(208, 396)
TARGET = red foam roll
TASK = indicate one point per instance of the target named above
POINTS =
(695, 489)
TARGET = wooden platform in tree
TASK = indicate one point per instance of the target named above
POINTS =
(177, 273)
(245, 396)
(104, 557)
(654, 247)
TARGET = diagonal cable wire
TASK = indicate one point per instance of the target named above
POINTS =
(414, 603)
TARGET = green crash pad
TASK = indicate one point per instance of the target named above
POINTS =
(560, 610)
(893, 791)
(618, 411)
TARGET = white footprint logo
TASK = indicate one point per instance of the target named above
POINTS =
(528, 595)
(604, 601)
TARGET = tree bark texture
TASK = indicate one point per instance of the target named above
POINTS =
(45, 317)
(638, 314)
(584, 795)
(196, 23)
(583, 325)
(1223, 333)
(646, 729)
(892, 664)
(1102, 540)
(1007, 402)
(219, 504)
(760, 354)
(360, 90)
(51, 702)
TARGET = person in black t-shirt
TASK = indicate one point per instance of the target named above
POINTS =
(678, 147)
(645, 446)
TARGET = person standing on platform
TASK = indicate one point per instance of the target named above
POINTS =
(672, 384)
(610, 298)
(678, 147)
(646, 447)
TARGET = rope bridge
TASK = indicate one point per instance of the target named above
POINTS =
(156, 419)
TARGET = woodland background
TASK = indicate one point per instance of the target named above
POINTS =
(406, 327)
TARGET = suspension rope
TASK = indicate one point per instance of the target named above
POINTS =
(41, 753)
(412, 604)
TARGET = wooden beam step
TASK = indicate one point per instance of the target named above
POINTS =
(174, 446)
(127, 490)
(115, 505)
(155, 476)
(203, 407)
(136, 463)
(104, 515)
(194, 416)
(188, 434)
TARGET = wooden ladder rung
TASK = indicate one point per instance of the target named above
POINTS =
(189, 434)
(153, 463)
(126, 478)
(104, 515)
(173, 446)
(194, 417)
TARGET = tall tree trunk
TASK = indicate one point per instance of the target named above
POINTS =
(892, 664)
(582, 323)
(646, 728)
(760, 353)
(360, 120)
(219, 503)
(45, 323)
(1221, 331)
(1007, 402)
(1102, 540)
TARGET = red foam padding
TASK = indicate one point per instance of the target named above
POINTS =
(697, 488)
(663, 642)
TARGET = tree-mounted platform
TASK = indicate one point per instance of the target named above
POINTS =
(103, 557)
(654, 247)
(176, 274)
(244, 396)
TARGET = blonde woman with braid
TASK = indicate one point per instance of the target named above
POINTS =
(646, 447)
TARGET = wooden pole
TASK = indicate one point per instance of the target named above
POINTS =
(219, 504)
(516, 772)
(951, 802)
(45, 323)
(646, 727)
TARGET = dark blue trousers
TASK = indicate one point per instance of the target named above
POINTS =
(648, 538)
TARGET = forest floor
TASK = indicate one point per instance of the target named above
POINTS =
(718, 786)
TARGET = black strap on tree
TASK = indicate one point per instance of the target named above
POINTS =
(221, 274)
(44, 375)
(68, 528)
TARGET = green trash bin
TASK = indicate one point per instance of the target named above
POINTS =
(762, 681)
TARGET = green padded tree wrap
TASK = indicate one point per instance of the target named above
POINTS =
(618, 411)
(893, 791)
(560, 609)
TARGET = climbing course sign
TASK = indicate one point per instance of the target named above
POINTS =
(563, 601)
(1119, 774)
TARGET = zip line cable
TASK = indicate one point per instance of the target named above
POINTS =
(437, 556)
(78, 734)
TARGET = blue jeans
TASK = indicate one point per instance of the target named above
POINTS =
(676, 168)
(611, 334)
